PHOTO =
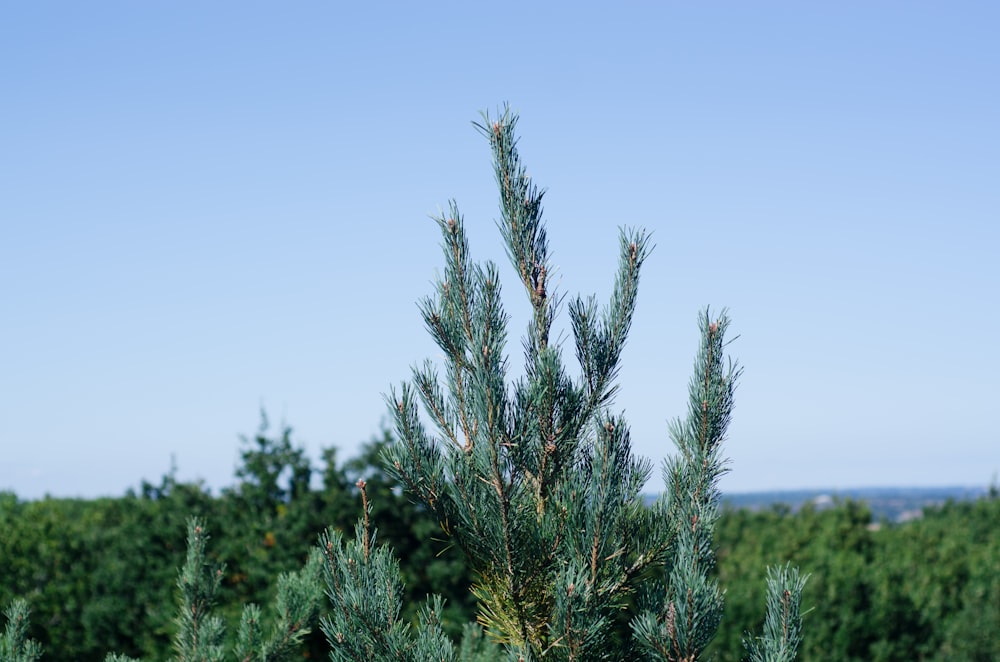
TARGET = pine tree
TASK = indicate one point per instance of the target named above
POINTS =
(534, 478)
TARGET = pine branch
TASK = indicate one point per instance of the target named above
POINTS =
(199, 634)
(297, 606)
(14, 643)
(521, 220)
(683, 614)
(250, 636)
(366, 595)
(783, 623)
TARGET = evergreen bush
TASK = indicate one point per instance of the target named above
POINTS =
(535, 480)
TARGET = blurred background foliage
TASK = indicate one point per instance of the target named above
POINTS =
(100, 575)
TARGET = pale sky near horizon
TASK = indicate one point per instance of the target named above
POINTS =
(209, 208)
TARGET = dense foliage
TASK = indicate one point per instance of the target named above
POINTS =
(100, 574)
(923, 590)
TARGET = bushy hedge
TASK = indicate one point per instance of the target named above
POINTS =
(100, 574)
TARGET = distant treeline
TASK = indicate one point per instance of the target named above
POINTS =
(100, 575)
(887, 504)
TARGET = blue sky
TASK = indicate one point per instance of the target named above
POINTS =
(209, 208)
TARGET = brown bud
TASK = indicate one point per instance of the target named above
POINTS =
(713, 327)
(540, 286)
(361, 483)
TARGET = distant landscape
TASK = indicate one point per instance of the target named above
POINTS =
(887, 504)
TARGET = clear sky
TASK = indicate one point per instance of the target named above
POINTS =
(208, 208)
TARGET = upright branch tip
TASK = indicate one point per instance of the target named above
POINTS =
(367, 522)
